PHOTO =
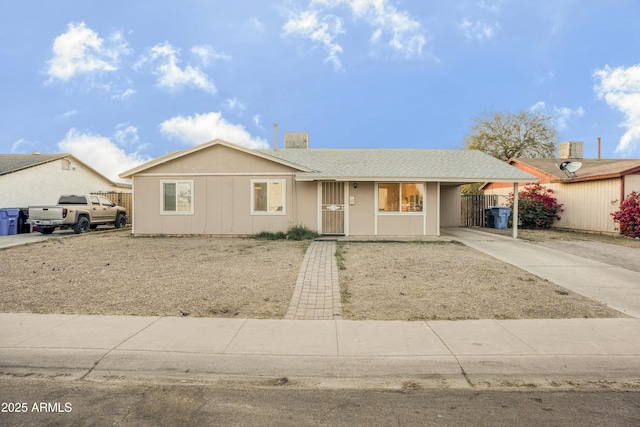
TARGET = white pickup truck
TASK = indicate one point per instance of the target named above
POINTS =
(81, 213)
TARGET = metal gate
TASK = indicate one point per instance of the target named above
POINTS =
(332, 207)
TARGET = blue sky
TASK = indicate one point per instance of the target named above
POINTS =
(117, 82)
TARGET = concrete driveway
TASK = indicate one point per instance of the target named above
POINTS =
(26, 238)
(620, 256)
(610, 278)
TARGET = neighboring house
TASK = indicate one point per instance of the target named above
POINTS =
(219, 188)
(40, 179)
(589, 198)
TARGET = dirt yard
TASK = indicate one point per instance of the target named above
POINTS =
(115, 273)
(436, 280)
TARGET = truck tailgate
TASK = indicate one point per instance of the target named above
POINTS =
(45, 213)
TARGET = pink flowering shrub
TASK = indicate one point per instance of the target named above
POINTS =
(628, 216)
(537, 208)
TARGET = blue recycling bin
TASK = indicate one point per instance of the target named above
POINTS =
(500, 216)
(13, 220)
(4, 222)
(9, 221)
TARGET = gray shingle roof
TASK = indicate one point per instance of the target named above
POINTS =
(376, 164)
(10, 163)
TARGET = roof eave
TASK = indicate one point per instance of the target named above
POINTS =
(307, 178)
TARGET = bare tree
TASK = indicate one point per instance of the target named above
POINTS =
(503, 136)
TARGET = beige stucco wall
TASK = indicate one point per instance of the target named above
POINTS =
(450, 205)
(44, 184)
(221, 195)
(305, 200)
(432, 209)
(362, 212)
(222, 200)
(221, 205)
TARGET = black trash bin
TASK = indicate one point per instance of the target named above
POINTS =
(23, 225)
(488, 218)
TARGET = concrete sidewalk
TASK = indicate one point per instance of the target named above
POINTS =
(617, 287)
(452, 353)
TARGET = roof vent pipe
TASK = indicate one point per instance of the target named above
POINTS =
(275, 137)
(598, 148)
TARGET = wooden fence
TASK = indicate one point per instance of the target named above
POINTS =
(473, 207)
(121, 199)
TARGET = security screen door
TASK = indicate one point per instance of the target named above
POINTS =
(332, 207)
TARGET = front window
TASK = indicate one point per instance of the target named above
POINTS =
(177, 197)
(400, 197)
(268, 197)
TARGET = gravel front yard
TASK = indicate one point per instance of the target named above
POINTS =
(115, 273)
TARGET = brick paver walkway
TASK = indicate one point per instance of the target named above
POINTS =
(317, 292)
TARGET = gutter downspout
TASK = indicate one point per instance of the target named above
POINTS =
(515, 210)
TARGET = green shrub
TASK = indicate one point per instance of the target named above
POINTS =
(298, 232)
(268, 235)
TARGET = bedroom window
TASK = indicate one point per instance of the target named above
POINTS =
(268, 197)
(398, 197)
(177, 197)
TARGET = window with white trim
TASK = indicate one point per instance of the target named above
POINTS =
(177, 197)
(268, 197)
(396, 197)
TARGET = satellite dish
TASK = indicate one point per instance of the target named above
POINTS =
(570, 168)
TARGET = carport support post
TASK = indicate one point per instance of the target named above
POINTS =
(515, 210)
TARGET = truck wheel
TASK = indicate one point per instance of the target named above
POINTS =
(120, 221)
(46, 230)
(82, 226)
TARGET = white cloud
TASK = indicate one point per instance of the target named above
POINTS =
(257, 121)
(100, 153)
(478, 30)
(69, 113)
(392, 29)
(24, 146)
(126, 135)
(620, 88)
(164, 60)
(253, 24)
(126, 94)
(201, 128)
(493, 6)
(321, 30)
(538, 106)
(234, 104)
(208, 54)
(81, 51)
(563, 115)
(406, 35)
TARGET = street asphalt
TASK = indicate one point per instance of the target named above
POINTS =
(457, 354)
